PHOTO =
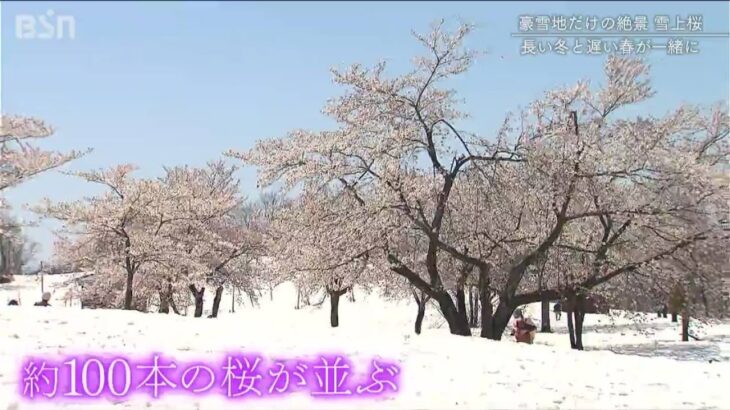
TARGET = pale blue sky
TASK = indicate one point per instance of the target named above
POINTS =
(171, 83)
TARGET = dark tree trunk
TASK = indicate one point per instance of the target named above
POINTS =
(334, 309)
(299, 298)
(164, 302)
(173, 306)
(487, 318)
(579, 316)
(477, 316)
(128, 290)
(674, 317)
(419, 317)
(421, 300)
(571, 329)
(576, 314)
(477, 308)
(685, 325)
(198, 295)
(575, 308)
(335, 306)
(473, 306)
(216, 301)
(486, 306)
(477, 300)
(458, 325)
(545, 322)
(461, 305)
(493, 322)
(166, 299)
(351, 295)
(233, 299)
(499, 320)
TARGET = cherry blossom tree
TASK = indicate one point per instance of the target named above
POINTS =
(118, 232)
(21, 160)
(399, 289)
(693, 282)
(374, 157)
(569, 194)
(259, 216)
(232, 258)
(305, 241)
(202, 232)
(626, 193)
(165, 236)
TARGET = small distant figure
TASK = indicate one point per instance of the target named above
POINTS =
(44, 300)
(558, 309)
(524, 329)
(13, 302)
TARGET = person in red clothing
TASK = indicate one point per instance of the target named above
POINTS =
(524, 329)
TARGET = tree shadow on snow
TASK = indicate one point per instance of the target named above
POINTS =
(682, 351)
(612, 328)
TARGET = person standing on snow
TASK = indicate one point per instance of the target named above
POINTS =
(524, 329)
(557, 308)
(44, 300)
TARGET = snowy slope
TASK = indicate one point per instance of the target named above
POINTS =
(624, 368)
(28, 289)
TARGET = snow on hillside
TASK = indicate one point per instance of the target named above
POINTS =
(623, 368)
(28, 289)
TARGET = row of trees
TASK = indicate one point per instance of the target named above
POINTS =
(158, 238)
(571, 197)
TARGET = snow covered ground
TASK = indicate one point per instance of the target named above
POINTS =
(622, 368)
